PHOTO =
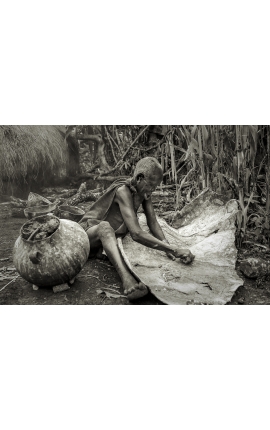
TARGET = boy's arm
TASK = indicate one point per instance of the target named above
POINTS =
(124, 199)
(153, 224)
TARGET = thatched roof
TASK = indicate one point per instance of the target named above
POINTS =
(31, 151)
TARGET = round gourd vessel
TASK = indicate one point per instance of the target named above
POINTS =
(54, 260)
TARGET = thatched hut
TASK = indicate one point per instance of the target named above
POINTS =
(32, 156)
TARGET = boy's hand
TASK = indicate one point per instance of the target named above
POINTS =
(170, 255)
(184, 254)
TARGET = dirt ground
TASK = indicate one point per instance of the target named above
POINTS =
(89, 288)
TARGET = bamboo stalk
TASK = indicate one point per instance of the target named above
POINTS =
(267, 177)
(201, 159)
(110, 143)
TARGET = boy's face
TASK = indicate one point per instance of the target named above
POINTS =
(145, 187)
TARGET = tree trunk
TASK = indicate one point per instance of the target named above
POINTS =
(73, 153)
(100, 150)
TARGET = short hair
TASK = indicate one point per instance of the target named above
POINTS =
(149, 167)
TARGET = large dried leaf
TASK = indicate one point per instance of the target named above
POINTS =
(194, 128)
(207, 227)
(204, 133)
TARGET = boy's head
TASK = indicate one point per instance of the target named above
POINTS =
(147, 175)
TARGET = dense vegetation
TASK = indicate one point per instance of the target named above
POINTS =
(230, 159)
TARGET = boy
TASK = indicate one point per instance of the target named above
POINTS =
(115, 213)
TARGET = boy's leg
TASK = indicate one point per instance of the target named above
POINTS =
(104, 234)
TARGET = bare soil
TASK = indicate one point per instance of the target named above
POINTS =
(96, 275)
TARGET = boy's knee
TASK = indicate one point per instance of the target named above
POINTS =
(104, 225)
(105, 229)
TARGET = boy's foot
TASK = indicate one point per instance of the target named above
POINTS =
(135, 290)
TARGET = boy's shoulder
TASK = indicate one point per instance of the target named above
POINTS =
(123, 193)
(123, 189)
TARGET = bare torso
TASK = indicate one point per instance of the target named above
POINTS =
(114, 216)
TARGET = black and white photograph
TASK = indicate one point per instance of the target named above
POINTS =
(135, 214)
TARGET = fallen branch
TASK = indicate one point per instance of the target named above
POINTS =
(82, 197)
(15, 199)
(98, 178)
(68, 193)
(17, 213)
(17, 205)
(14, 279)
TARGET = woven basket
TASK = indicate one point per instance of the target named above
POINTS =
(36, 200)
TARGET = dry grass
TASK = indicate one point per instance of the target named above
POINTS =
(230, 159)
(31, 150)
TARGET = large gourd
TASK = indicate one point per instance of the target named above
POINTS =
(53, 260)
